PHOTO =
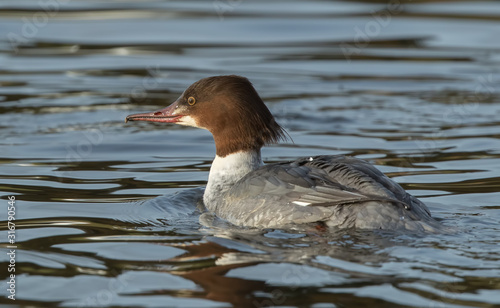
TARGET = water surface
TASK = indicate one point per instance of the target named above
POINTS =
(107, 211)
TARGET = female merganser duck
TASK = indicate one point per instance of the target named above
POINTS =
(329, 190)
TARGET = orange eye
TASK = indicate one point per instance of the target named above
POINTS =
(191, 101)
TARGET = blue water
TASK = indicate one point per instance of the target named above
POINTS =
(106, 212)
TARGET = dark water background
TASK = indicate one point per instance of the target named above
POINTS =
(413, 87)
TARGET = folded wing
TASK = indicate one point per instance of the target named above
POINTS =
(315, 188)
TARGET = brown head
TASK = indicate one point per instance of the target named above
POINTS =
(228, 107)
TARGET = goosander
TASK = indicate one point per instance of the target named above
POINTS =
(331, 191)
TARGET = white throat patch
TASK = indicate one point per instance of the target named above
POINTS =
(187, 121)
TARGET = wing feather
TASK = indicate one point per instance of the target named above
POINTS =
(324, 180)
(314, 189)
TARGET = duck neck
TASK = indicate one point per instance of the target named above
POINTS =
(225, 172)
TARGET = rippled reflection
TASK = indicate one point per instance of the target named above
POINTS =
(108, 215)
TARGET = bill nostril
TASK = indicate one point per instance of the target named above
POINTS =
(157, 113)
